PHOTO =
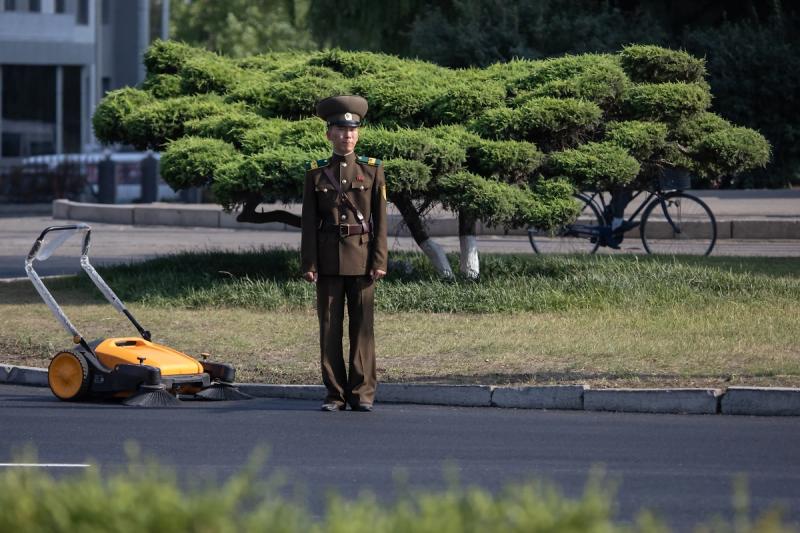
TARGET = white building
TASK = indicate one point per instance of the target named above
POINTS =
(58, 58)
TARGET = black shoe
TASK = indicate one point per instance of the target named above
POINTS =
(332, 406)
(363, 407)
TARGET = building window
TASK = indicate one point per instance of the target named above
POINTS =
(71, 104)
(83, 12)
(34, 6)
(10, 5)
(105, 83)
(29, 110)
(60, 6)
(106, 12)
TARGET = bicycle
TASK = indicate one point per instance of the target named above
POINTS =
(673, 222)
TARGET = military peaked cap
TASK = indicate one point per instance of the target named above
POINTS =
(346, 110)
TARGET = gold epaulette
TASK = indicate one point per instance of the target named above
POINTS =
(311, 165)
(369, 161)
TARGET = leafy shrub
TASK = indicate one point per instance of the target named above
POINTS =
(404, 175)
(546, 121)
(641, 139)
(163, 85)
(230, 127)
(603, 85)
(511, 161)
(441, 155)
(167, 57)
(730, 151)
(463, 100)
(654, 64)
(194, 161)
(396, 102)
(209, 73)
(599, 165)
(500, 204)
(665, 101)
(296, 98)
(110, 118)
(154, 124)
(272, 175)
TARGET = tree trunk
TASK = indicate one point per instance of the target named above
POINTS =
(431, 249)
(469, 263)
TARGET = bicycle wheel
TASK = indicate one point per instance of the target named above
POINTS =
(580, 237)
(678, 224)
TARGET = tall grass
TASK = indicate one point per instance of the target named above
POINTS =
(269, 280)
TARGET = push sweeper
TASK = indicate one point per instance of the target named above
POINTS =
(135, 369)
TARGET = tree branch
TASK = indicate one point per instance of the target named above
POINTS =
(249, 214)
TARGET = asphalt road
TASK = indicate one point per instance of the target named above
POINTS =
(680, 466)
(112, 243)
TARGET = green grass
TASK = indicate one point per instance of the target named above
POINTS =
(602, 321)
(147, 497)
(269, 280)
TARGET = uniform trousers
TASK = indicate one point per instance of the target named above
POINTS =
(357, 385)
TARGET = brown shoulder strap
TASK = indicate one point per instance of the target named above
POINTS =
(328, 171)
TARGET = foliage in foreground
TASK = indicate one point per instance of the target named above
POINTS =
(269, 280)
(147, 497)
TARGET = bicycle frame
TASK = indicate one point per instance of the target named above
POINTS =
(599, 201)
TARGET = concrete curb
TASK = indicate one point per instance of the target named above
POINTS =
(212, 216)
(461, 395)
(555, 397)
(23, 375)
(294, 392)
(762, 401)
(688, 401)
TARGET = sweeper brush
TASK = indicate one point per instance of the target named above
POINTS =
(135, 369)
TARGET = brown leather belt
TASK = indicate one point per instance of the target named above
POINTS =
(346, 230)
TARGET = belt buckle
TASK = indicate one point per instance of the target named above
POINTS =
(344, 230)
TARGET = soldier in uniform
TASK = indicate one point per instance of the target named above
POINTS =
(344, 251)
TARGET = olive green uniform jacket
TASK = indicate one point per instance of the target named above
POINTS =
(326, 252)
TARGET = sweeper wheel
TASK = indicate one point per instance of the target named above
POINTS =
(68, 375)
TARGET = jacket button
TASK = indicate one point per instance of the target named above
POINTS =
(344, 181)
(344, 164)
(344, 217)
(362, 187)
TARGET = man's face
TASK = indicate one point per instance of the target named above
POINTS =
(343, 138)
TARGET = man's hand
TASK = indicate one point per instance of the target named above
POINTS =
(376, 274)
(310, 277)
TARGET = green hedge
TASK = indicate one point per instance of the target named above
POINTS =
(543, 120)
(497, 203)
(597, 165)
(654, 64)
(512, 161)
(110, 120)
(730, 151)
(408, 176)
(641, 139)
(156, 123)
(231, 126)
(272, 176)
(490, 127)
(670, 101)
(194, 161)
(441, 154)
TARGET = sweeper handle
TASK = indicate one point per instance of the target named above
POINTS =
(41, 253)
